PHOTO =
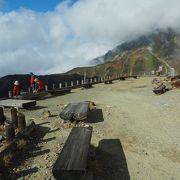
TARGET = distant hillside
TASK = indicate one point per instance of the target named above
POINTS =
(136, 62)
(163, 43)
(139, 56)
(6, 82)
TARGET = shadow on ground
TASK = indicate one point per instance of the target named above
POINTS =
(32, 149)
(36, 108)
(95, 116)
(108, 161)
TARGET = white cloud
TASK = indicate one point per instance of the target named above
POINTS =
(70, 36)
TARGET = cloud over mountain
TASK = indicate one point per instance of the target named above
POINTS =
(71, 35)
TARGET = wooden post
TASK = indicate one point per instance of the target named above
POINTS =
(9, 94)
(60, 85)
(2, 117)
(77, 82)
(29, 90)
(21, 122)
(84, 77)
(91, 80)
(53, 86)
(10, 133)
(72, 83)
(14, 117)
(46, 87)
(95, 80)
(82, 82)
(65, 84)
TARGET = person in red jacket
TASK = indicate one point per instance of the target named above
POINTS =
(16, 89)
(39, 85)
(32, 82)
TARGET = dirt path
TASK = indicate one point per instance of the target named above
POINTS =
(136, 132)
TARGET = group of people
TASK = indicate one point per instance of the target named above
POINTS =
(35, 85)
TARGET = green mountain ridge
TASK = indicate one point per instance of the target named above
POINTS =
(138, 57)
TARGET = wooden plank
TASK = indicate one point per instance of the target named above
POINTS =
(87, 85)
(77, 111)
(34, 95)
(25, 133)
(17, 103)
(108, 82)
(72, 161)
(81, 111)
(60, 91)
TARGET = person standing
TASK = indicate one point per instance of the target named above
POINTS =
(16, 89)
(32, 82)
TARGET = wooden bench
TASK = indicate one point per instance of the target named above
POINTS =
(72, 161)
(76, 111)
(17, 103)
(122, 78)
(108, 82)
(87, 85)
(60, 91)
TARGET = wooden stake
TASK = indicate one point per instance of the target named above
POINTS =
(14, 117)
(10, 133)
(2, 117)
(21, 122)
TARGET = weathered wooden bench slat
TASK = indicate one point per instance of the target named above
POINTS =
(60, 91)
(72, 161)
(17, 103)
(77, 111)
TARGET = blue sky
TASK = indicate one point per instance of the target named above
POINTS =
(35, 5)
(63, 36)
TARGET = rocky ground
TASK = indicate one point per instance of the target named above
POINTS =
(135, 133)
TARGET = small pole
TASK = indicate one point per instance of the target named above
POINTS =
(72, 83)
(10, 133)
(77, 82)
(21, 122)
(82, 82)
(9, 94)
(60, 85)
(14, 117)
(53, 86)
(95, 80)
(46, 87)
(2, 117)
(84, 77)
(29, 90)
(91, 80)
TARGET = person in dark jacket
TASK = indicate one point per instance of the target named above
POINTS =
(32, 82)
(39, 85)
(16, 89)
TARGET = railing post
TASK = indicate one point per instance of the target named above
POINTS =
(53, 86)
(46, 87)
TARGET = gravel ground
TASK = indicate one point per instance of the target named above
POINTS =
(135, 133)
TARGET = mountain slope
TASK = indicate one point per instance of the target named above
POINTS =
(163, 43)
(138, 61)
(139, 56)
